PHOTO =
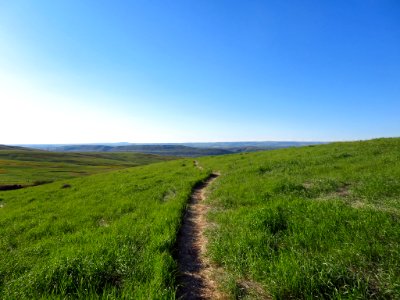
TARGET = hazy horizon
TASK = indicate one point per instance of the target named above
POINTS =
(202, 142)
(74, 72)
(193, 142)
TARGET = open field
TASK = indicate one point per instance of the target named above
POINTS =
(106, 235)
(314, 222)
(300, 223)
(32, 167)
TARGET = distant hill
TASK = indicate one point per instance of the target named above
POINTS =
(252, 146)
(159, 149)
(82, 148)
(20, 169)
(90, 147)
(5, 147)
(175, 149)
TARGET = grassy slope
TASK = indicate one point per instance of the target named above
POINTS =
(8, 148)
(32, 167)
(308, 222)
(311, 222)
(108, 235)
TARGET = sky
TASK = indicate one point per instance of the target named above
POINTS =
(145, 71)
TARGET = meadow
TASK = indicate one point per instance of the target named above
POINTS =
(313, 222)
(300, 223)
(103, 236)
(33, 167)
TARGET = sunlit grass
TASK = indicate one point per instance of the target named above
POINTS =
(108, 235)
(301, 223)
(29, 168)
(312, 222)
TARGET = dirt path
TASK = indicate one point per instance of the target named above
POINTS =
(195, 272)
(197, 165)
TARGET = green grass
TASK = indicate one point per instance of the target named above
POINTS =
(315, 222)
(300, 223)
(106, 236)
(29, 168)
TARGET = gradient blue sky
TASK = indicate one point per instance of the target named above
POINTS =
(179, 71)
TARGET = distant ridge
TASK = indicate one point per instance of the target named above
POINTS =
(253, 144)
(175, 149)
(5, 147)
(83, 148)
(159, 149)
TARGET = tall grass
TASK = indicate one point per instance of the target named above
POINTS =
(105, 236)
(301, 223)
(315, 222)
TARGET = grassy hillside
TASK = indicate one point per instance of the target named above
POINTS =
(314, 222)
(28, 168)
(107, 235)
(300, 223)
(176, 150)
(5, 147)
(157, 149)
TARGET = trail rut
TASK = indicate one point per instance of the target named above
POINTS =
(195, 271)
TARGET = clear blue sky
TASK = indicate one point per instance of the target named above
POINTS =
(176, 71)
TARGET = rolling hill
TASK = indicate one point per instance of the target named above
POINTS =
(174, 150)
(158, 149)
(309, 222)
(20, 168)
(5, 147)
(182, 150)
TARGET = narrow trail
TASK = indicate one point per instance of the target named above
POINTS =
(195, 271)
(197, 165)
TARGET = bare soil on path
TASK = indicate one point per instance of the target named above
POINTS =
(195, 271)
